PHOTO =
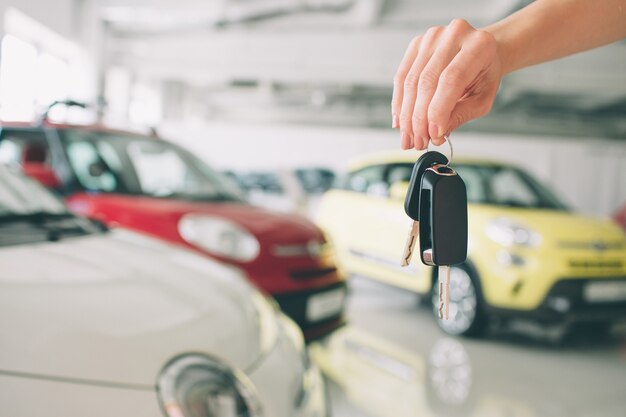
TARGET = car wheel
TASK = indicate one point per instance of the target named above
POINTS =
(465, 312)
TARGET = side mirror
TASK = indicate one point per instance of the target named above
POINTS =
(42, 173)
(397, 190)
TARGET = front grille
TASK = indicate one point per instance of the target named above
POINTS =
(568, 301)
(593, 245)
(597, 264)
(573, 290)
(308, 274)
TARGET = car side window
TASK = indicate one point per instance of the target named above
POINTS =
(474, 183)
(24, 147)
(399, 173)
(508, 188)
(366, 180)
(92, 170)
(162, 171)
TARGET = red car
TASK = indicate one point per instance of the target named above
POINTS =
(153, 186)
(620, 217)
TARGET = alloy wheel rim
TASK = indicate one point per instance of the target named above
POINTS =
(463, 302)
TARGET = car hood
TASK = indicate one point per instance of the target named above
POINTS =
(557, 228)
(116, 307)
(270, 226)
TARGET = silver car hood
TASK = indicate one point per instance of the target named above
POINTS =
(116, 307)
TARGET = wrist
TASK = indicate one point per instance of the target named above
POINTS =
(505, 48)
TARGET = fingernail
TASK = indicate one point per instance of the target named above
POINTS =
(433, 131)
(395, 122)
(419, 143)
(424, 143)
(405, 141)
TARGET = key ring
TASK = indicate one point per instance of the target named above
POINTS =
(449, 142)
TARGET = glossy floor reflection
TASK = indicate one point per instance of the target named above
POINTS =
(392, 361)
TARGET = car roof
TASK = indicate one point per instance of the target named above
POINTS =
(401, 157)
(95, 127)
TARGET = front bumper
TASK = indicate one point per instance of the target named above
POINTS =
(296, 305)
(566, 303)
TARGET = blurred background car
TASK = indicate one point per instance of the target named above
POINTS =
(110, 322)
(158, 188)
(296, 191)
(528, 255)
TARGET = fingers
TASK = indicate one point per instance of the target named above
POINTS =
(441, 72)
(446, 51)
(464, 69)
(410, 87)
(398, 82)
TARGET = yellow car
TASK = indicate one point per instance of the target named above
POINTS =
(528, 255)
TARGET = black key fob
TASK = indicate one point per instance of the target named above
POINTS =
(411, 201)
(443, 217)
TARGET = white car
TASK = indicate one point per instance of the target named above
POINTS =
(112, 323)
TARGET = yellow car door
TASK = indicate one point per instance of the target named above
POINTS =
(369, 226)
(348, 214)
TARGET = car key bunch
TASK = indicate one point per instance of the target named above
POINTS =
(436, 201)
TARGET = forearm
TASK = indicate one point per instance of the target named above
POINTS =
(550, 29)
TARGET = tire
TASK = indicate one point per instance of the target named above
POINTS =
(467, 317)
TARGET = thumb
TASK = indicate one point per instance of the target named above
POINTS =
(470, 108)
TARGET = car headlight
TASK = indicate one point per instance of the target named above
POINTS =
(195, 385)
(219, 236)
(509, 233)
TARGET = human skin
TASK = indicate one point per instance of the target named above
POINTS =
(450, 74)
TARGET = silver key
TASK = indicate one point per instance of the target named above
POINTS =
(444, 292)
(411, 241)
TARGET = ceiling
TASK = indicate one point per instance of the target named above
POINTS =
(332, 61)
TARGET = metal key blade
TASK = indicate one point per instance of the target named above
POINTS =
(411, 240)
(444, 292)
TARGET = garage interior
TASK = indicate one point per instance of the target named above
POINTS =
(262, 90)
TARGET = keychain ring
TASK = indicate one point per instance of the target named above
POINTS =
(449, 142)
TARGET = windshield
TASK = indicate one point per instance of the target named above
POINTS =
(30, 214)
(112, 162)
(486, 184)
(19, 195)
(505, 186)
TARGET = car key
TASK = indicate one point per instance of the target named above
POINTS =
(411, 201)
(443, 225)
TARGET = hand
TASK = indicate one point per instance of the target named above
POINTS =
(448, 76)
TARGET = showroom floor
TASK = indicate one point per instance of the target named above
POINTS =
(392, 360)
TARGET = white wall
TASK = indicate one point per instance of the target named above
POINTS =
(589, 174)
(57, 15)
(66, 29)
